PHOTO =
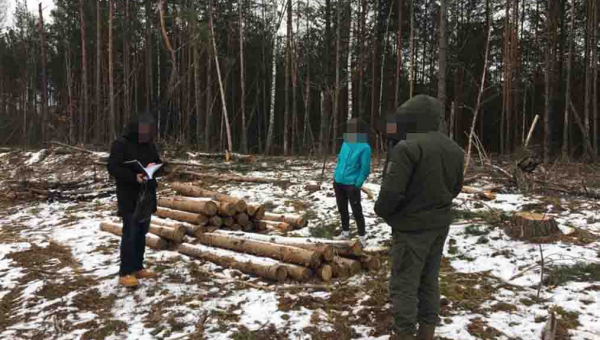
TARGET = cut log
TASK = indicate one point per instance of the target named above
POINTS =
(239, 179)
(280, 226)
(241, 218)
(215, 221)
(260, 248)
(152, 241)
(174, 234)
(208, 208)
(353, 266)
(259, 225)
(190, 229)
(483, 194)
(226, 208)
(248, 227)
(182, 216)
(228, 221)
(235, 227)
(188, 190)
(370, 262)
(324, 273)
(298, 273)
(529, 225)
(296, 221)
(338, 270)
(251, 209)
(251, 265)
(258, 211)
(325, 249)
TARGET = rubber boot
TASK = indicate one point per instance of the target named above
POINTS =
(426, 331)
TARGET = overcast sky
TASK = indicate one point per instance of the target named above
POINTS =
(32, 5)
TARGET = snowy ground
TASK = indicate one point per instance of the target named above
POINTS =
(58, 270)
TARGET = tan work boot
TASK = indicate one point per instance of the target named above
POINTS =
(145, 274)
(128, 281)
(426, 331)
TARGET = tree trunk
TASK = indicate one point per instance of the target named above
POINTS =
(326, 250)
(411, 49)
(288, 67)
(182, 216)
(99, 106)
(152, 241)
(45, 115)
(350, 73)
(251, 265)
(565, 146)
(84, 77)
(549, 76)
(336, 98)
(273, 93)
(361, 68)
(188, 190)
(174, 234)
(198, 93)
(70, 104)
(283, 253)
(307, 101)
(398, 80)
(174, 75)
(148, 49)
(323, 145)
(595, 79)
(188, 228)
(244, 146)
(442, 59)
(111, 73)
(126, 66)
(588, 71)
(220, 79)
(207, 208)
(528, 225)
(209, 97)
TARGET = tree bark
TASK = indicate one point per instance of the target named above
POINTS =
(565, 146)
(283, 253)
(442, 59)
(595, 79)
(349, 61)
(84, 77)
(182, 216)
(188, 190)
(174, 234)
(208, 208)
(244, 146)
(246, 264)
(398, 81)
(111, 73)
(152, 241)
(98, 133)
(336, 98)
(295, 220)
(411, 49)
(288, 67)
(45, 115)
(326, 250)
(588, 70)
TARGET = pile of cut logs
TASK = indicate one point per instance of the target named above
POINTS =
(199, 231)
(211, 210)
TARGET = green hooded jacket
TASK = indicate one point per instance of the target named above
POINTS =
(424, 173)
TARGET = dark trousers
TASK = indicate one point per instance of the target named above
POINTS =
(343, 195)
(414, 281)
(133, 244)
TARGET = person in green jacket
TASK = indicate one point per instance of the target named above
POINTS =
(423, 176)
(353, 168)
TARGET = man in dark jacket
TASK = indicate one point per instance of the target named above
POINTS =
(135, 144)
(423, 176)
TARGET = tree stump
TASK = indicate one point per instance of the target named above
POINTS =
(528, 225)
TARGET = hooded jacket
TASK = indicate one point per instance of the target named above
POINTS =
(354, 160)
(127, 148)
(424, 173)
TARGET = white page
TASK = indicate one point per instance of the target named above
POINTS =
(151, 169)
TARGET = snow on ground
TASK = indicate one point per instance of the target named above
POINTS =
(58, 273)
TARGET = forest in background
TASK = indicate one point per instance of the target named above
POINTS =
(283, 76)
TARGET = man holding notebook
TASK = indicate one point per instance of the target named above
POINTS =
(132, 156)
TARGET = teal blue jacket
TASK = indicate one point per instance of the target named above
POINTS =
(354, 164)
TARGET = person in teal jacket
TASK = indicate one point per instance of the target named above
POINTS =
(353, 168)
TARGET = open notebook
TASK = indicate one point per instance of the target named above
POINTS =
(138, 168)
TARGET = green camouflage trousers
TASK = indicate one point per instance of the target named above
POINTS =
(414, 280)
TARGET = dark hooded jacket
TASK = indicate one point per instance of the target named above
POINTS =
(424, 173)
(126, 148)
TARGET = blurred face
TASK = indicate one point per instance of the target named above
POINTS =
(144, 133)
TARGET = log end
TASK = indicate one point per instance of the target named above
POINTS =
(280, 274)
(211, 208)
(328, 253)
(241, 206)
(325, 273)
